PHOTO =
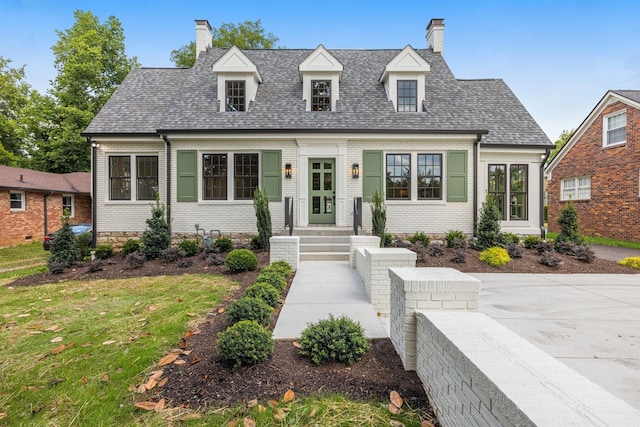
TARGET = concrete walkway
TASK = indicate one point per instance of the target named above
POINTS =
(590, 322)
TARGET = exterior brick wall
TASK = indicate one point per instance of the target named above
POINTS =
(614, 208)
(28, 225)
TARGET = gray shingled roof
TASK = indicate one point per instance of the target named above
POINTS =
(27, 179)
(633, 95)
(185, 99)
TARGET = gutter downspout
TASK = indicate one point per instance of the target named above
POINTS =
(46, 220)
(168, 168)
(94, 215)
(476, 147)
(543, 230)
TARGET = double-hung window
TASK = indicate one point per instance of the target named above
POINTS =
(245, 175)
(578, 188)
(615, 129)
(214, 173)
(407, 95)
(429, 176)
(498, 186)
(120, 178)
(398, 176)
(147, 174)
(235, 95)
(320, 95)
(518, 192)
(16, 201)
(67, 204)
(121, 171)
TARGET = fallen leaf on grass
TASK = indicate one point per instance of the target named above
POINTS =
(58, 349)
(169, 358)
(190, 416)
(289, 396)
(87, 344)
(313, 413)
(425, 424)
(53, 405)
(261, 408)
(142, 389)
(183, 343)
(24, 315)
(3, 415)
(152, 308)
(159, 406)
(56, 381)
(105, 377)
(273, 403)
(191, 314)
(232, 423)
(252, 403)
(396, 423)
(221, 310)
(156, 374)
(57, 339)
(248, 422)
(147, 406)
(187, 334)
(47, 300)
(137, 303)
(56, 330)
(35, 332)
(396, 399)
(394, 409)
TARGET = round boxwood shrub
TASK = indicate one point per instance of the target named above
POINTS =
(264, 291)
(245, 343)
(332, 339)
(282, 266)
(223, 244)
(495, 256)
(189, 247)
(250, 308)
(104, 251)
(241, 260)
(130, 246)
(274, 278)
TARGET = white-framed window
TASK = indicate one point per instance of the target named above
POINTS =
(67, 204)
(578, 188)
(122, 168)
(614, 129)
(224, 173)
(16, 201)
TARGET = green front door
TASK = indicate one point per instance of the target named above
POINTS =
(322, 191)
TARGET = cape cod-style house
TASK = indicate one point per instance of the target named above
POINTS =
(321, 127)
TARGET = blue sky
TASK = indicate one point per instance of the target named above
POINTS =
(559, 57)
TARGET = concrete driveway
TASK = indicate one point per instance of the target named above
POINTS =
(590, 322)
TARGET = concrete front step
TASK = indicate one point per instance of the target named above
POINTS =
(324, 247)
(323, 231)
(324, 256)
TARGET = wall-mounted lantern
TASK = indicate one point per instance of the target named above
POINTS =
(287, 170)
(355, 170)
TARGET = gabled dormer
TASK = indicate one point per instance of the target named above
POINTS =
(320, 74)
(238, 80)
(403, 79)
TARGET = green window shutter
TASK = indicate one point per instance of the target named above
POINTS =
(456, 176)
(187, 176)
(272, 174)
(372, 174)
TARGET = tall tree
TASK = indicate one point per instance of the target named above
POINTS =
(245, 35)
(91, 62)
(565, 136)
(14, 97)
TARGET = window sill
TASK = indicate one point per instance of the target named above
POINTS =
(616, 145)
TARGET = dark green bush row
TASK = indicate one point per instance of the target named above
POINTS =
(334, 339)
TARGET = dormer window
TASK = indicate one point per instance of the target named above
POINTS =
(407, 95)
(236, 98)
(321, 95)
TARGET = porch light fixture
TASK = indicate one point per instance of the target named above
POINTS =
(287, 170)
(355, 171)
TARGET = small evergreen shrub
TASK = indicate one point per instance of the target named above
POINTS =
(255, 243)
(454, 236)
(488, 229)
(551, 259)
(245, 343)
(64, 248)
(249, 308)
(585, 254)
(223, 244)
(530, 242)
(104, 251)
(544, 246)
(172, 255)
(515, 250)
(387, 240)
(130, 246)
(56, 267)
(239, 260)
(263, 217)
(568, 223)
(95, 266)
(189, 247)
(435, 249)
(420, 237)
(281, 266)
(157, 236)
(332, 339)
(495, 256)
(135, 260)
(265, 292)
(510, 238)
(459, 256)
(457, 243)
(633, 262)
(272, 277)
(379, 218)
(83, 242)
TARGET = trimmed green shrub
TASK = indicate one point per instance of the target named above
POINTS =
(104, 251)
(255, 243)
(488, 228)
(64, 248)
(239, 260)
(223, 244)
(568, 222)
(282, 266)
(420, 237)
(130, 246)
(264, 291)
(495, 256)
(157, 236)
(263, 217)
(272, 277)
(387, 240)
(249, 308)
(530, 242)
(83, 242)
(189, 247)
(633, 262)
(378, 218)
(332, 339)
(451, 237)
(245, 343)
(510, 238)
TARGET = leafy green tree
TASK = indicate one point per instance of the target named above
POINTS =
(245, 35)
(157, 237)
(14, 97)
(488, 228)
(565, 136)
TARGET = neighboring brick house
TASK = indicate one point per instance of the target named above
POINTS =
(32, 202)
(599, 169)
(323, 127)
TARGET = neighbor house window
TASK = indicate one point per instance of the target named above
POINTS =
(236, 95)
(214, 174)
(578, 188)
(615, 129)
(518, 192)
(245, 175)
(407, 95)
(147, 174)
(67, 205)
(120, 178)
(320, 95)
(430, 176)
(497, 186)
(16, 201)
(398, 176)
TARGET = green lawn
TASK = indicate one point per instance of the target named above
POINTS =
(603, 241)
(22, 260)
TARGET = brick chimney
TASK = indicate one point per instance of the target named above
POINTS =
(435, 35)
(203, 36)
